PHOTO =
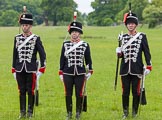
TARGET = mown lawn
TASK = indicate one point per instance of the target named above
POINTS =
(103, 102)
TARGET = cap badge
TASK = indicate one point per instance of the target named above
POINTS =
(74, 24)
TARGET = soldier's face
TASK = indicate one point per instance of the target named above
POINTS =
(26, 28)
(131, 26)
(75, 35)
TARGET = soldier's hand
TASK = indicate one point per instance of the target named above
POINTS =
(38, 74)
(61, 78)
(14, 74)
(88, 75)
(147, 71)
(118, 50)
(61, 75)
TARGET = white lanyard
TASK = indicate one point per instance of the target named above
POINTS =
(26, 40)
(130, 41)
(72, 48)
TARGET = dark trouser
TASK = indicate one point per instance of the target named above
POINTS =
(127, 81)
(69, 82)
(26, 83)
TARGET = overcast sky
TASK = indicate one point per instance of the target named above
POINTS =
(84, 6)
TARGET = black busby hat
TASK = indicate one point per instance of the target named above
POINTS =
(130, 18)
(75, 26)
(26, 18)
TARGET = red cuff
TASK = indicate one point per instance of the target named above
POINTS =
(91, 71)
(119, 54)
(60, 72)
(13, 70)
(42, 69)
(149, 67)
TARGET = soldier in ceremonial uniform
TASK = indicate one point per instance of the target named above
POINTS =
(133, 45)
(24, 67)
(75, 55)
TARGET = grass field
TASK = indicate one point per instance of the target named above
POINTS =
(103, 102)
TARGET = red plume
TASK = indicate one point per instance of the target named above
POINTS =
(125, 17)
(68, 28)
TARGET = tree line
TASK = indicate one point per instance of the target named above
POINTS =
(60, 12)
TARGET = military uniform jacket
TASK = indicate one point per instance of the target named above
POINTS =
(25, 58)
(73, 63)
(132, 61)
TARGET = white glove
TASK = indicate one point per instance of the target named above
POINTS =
(88, 75)
(118, 50)
(14, 74)
(61, 78)
(147, 71)
(38, 75)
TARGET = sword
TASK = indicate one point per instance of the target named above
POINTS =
(120, 38)
(142, 100)
(37, 85)
(84, 101)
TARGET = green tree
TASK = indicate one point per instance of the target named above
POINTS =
(7, 6)
(105, 11)
(8, 18)
(157, 3)
(137, 6)
(153, 15)
(58, 10)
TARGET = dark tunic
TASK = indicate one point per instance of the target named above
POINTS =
(25, 58)
(73, 63)
(132, 61)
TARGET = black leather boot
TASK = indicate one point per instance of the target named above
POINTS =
(22, 107)
(30, 106)
(69, 116)
(77, 116)
(125, 102)
(78, 107)
(22, 116)
(69, 107)
(135, 105)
